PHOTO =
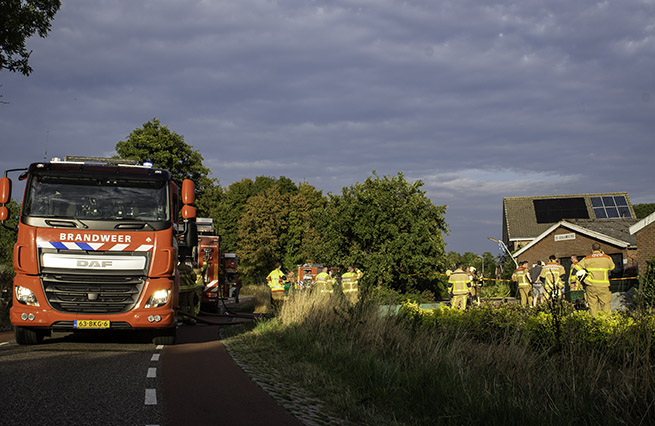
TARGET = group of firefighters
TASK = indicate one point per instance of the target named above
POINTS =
(544, 282)
(282, 284)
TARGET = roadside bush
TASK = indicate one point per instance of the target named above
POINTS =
(6, 279)
(492, 289)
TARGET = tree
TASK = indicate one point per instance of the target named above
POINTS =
(167, 150)
(227, 211)
(643, 210)
(19, 20)
(7, 236)
(259, 229)
(274, 226)
(390, 229)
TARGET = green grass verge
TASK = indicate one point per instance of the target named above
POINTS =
(491, 366)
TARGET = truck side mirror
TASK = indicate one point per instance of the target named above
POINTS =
(188, 212)
(5, 190)
(188, 191)
(5, 196)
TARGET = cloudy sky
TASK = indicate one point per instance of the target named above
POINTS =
(479, 100)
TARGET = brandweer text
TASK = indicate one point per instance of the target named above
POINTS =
(96, 238)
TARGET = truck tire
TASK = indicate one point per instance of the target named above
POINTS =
(27, 336)
(166, 337)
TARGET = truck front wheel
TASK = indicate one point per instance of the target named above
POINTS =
(27, 336)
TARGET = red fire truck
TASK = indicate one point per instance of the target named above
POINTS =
(98, 247)
(219, 269)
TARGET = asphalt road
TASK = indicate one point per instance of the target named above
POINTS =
(101, 379)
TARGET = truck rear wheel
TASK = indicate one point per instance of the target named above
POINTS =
(27, 336)
(165, 337)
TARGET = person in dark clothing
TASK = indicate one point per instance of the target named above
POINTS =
(538, 290)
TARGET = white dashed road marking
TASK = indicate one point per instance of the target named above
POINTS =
(151, 397)
(152, 373)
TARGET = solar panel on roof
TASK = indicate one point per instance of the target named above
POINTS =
(611, 207)
(552, 210)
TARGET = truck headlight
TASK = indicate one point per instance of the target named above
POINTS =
(158, 298)
(25, 296)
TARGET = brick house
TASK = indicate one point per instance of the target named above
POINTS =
(564, 225)
(644, 231)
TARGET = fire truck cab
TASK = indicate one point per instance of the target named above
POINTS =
(97, 247)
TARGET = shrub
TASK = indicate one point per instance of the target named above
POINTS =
(646, 292)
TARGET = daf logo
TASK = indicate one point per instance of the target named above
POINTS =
(94, 263)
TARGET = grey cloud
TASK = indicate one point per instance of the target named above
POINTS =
(329, 91)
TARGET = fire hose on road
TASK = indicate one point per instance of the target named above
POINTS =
(244, 317)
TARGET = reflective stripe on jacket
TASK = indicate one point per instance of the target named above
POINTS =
(349, 282)
(458, 282)
(573, 279)
(521, 276)
(598, 265)
(551, 275)
(274, 280)
(324, 282)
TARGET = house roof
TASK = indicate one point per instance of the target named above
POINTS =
(611, 232)
(525, 218)
(642, 223)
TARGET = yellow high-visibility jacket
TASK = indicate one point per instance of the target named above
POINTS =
(598, 264)
(275, 281)
(324, 282)
(551, 275)
(520, 275)
(458, 282)
(349, 282)
(573, 279)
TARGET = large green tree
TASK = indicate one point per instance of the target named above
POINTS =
(167, 150)
(389, 228)
(227, 211)
(19, 20)
(274, 226)
(260, 227)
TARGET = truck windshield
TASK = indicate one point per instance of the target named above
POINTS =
(96, 198)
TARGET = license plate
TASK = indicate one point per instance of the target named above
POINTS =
(92, 323)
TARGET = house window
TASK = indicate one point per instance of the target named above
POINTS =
(611, 207)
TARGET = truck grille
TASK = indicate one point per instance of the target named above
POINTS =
(92, 294)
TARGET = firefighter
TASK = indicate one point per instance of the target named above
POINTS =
(191, 286)
(275, 281)
(552, 274)
(574, 284)
(522, 276)
(458, 287)
(350, 284)
(290, 283)
(236, 289)
(476, 285)
(597, 283)
(324, 282)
